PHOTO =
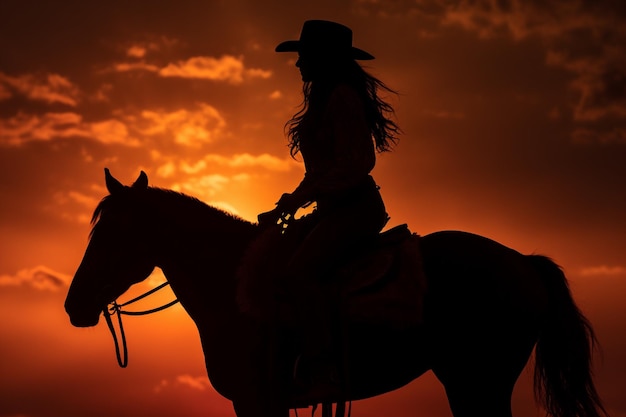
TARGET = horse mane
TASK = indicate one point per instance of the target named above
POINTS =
(184, 204)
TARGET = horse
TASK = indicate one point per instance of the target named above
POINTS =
(487, 307)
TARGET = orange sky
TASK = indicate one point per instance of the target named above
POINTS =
(514, 119)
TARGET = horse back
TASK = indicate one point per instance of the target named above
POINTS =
(472, 278)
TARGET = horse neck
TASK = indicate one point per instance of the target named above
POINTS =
(199, 254)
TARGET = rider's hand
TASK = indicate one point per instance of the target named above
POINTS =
(285, 209)
(269, 218)
(288, 204)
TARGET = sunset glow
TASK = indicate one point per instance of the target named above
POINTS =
(514, 127)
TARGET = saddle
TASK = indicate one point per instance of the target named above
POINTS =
(383, 284)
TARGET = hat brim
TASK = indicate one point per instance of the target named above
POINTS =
(295, 46)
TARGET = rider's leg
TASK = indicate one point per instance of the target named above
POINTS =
(327, 245)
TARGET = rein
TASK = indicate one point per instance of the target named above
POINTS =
(115, 308)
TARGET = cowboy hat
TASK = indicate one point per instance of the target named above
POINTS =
(327, 37)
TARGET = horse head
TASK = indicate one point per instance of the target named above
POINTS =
(118, 253)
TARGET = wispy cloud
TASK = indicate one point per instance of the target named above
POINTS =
(226, 68)
(110, 132)
(198, 383)
(586, 40)
(24, 128)
(4, 92)
(445, 114)
(599, 80)
(166, 170)
(193, 127)
(74, 206)
(208, 186)
(140, 49)
(134, 66)
(210, 162)
(205, 186)
(246, 160)
(588, 136)
(49, 88)
(136, 51)
(40, 278)
(604, 270)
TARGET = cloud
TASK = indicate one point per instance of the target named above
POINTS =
(134, 66)
(74, 206)
(24, 128)
(187, 127)
(39, 278)
(102, 93)
(246, 160)
(111, 131)
(227, 68)
(49, 88)
(136, 51)
(139, 49)
(585, 39)
(600, 81)
(193, 169)
(604, 270)
(76, 197)
(4, 92)
(583, 136)
(398, 8)
(207, 187)
(203, 186)
(166, 170)
(198, 383)
(210, 161)
(444, 114)
(491, 18)
(191, 128)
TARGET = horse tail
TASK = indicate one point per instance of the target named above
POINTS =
(563, 354)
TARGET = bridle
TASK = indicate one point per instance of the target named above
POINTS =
(115, 308)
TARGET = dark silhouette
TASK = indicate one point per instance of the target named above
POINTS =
(486, 307)
(342, 123)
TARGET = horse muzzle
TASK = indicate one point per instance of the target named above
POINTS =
(82, 314)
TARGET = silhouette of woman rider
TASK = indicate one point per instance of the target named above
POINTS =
(342, 124)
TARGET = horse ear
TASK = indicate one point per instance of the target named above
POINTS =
(142, 181)
(113, 185)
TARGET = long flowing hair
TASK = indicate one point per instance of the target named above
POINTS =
(378, 112)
